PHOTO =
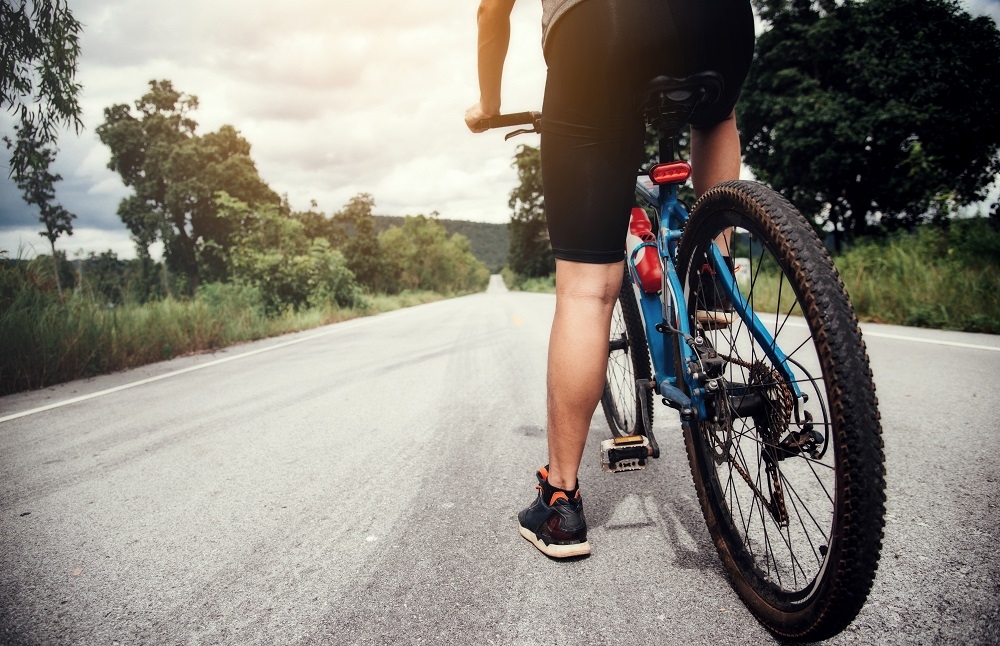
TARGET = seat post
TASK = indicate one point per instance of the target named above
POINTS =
(666, 144)
(668, 103)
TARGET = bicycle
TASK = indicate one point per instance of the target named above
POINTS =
(765, 364)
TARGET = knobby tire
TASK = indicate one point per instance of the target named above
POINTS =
(802, 548)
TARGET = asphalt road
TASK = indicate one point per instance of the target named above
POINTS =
(358, 484)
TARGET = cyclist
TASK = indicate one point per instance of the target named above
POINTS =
(600, 55)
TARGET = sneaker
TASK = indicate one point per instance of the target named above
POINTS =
(714, 307)
(554, 522)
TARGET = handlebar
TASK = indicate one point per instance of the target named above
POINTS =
(515, 119)
(533, 119)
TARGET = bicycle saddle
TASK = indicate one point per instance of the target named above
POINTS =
(668, 103)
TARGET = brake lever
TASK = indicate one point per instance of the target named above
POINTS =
(521, 131)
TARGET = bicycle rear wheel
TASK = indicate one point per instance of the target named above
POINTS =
(789, 471)
(628, 360)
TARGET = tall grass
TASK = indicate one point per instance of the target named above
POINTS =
(929, 279)
(45, 340)
(771, 293)
(932, 278)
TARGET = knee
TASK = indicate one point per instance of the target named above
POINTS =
(597, 284)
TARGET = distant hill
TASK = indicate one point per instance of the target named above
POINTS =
(488, 241)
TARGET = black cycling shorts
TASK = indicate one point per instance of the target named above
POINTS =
(600, 56)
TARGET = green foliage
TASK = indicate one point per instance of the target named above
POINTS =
(873, 113)
(106, 278)
(941, 278)
(488, 241)
(529, 253)
(517, 282)
(425, 257)
(971, 241)
(38, 53)
(46, 340)
(317, 225)
(176, 175)
(272, 253)
(510, 279)
(362, 251)
(37, 185)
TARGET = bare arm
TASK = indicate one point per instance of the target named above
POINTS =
(494, 38)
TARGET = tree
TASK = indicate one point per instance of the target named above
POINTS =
(317, 225)
(38, 53)
(37, 186)
(270, 251)
(107, 277)
(365, 256)
(873, 114)
(427, 258)
(529, 252)
(176, 176)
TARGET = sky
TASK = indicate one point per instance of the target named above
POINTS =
(336, 98)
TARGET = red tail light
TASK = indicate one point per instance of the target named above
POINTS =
(670, 173)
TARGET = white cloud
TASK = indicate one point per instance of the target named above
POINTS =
(335, 97)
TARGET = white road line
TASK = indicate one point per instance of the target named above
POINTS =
(903, 337)
(339, 327)
(956, 344)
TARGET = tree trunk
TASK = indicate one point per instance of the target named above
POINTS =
(55, 266)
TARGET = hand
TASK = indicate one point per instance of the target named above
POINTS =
(475, 114)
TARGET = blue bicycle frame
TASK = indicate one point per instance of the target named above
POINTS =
(667, 310)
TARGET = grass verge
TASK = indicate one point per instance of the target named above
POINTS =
(45, 340)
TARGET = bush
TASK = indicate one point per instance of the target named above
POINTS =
(941, 278)
(271, 253)
(426, 258)
(107, 278)
(517, 282)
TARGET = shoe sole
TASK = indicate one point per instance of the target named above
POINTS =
(556, 551)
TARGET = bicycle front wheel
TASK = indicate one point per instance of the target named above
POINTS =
(628, 360)
(787, 456)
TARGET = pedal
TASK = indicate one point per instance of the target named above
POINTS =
(628, 453)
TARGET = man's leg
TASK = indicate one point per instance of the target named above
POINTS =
(715, 154)
(578, 358)
(715, 158)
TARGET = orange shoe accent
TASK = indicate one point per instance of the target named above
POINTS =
(558, 496)
(545, 473)
(647, 265)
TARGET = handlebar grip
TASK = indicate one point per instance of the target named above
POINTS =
(508, 120)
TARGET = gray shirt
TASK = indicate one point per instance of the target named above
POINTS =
(552, 10)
